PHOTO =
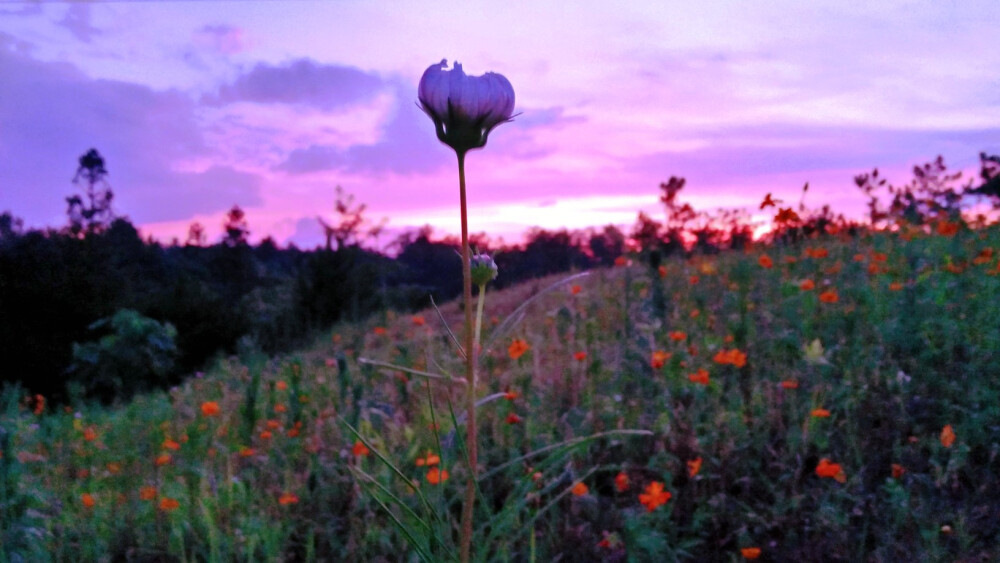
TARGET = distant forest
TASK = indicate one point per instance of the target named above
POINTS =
(91, 310)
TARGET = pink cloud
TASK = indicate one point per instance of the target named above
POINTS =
(225, 39)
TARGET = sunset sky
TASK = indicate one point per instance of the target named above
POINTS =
(197, 106)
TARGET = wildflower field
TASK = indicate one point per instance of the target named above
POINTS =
(831, 399)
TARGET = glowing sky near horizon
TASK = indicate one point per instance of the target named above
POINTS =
(197, 106)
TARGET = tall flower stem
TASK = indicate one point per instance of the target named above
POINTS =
(470, 372)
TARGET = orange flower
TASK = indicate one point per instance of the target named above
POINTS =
(511, 395)
(169, 444)
(654, 496)
(879, 257)
(659, 359)
(817, 252)
(266, 435)
(947, 228)
(512, 419)
(287, 498)
(114, 467)
(807, 285)
(210, 408)
(379, 330)
(826, 468)
(694, 466)
(733, 357)
(280, 408)
(247, 452)
(418, 320)
(517, 348)
(39, 404)
(895, 286)
(435, 476)
(162, 460)
(281, 385)
(789, 384)
(168, 504)
(147, 493)
(897, 471)
(272, 424)
(694, 313)
(701, 376)
(621, 261)
(765, 261)
(580, 489)
(693, 280)
(859, 257)
(580, 356)
(750, 552)
(662, 271)
(820, 413)
(947, 436)
(428, 460)
(829, 296)
(360, 449)
(88, 500)
(621, 482)
(678, 336)
(575, 290)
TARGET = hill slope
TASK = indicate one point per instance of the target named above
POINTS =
(819, 402)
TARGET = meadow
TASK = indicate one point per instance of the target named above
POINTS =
(833, 398)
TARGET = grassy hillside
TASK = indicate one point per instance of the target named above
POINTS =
(834, 400)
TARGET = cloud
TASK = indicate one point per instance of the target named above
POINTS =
(753, 152)
(308, 234)
(225, 39)
(77, 21)
(405, 146)
(52, 113)
(554, 116)
(178, 195)
(302, 81)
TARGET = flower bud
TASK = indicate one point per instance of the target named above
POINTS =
(484, 269)
(464, 108)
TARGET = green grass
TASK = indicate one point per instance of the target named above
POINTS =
(893, 365)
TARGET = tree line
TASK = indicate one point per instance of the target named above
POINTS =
(91, 310)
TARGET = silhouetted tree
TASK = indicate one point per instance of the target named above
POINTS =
(91, 213)
(196, 235)
(607, 245)
(989, 173)
(348, 227)
(10, 227)
(236, 228)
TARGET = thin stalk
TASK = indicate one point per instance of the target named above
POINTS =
(479, 312)
(470, 371)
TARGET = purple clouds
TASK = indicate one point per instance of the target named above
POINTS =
(302, 81)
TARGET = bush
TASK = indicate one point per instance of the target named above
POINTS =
(138, 353)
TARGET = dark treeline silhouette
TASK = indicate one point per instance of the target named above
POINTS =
(59, 289)
(94, 310)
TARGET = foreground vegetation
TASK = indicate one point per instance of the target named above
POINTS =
(821, 400)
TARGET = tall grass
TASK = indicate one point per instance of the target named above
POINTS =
(908, 347)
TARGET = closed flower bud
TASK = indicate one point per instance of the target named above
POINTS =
(484, 269)
(464, 108)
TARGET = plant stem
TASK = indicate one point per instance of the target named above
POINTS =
(470, 372)
(481, 298)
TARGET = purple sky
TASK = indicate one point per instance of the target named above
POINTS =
(197, 106)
